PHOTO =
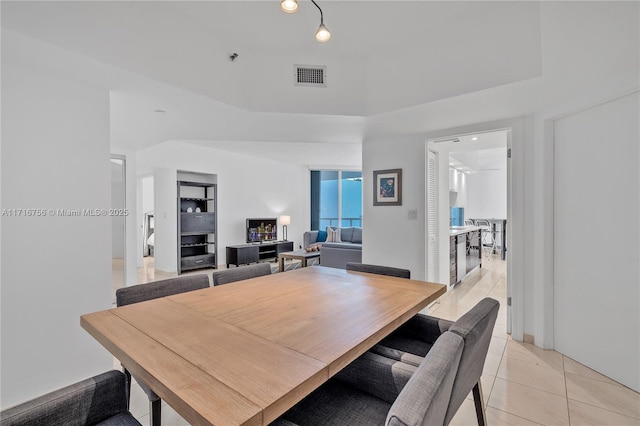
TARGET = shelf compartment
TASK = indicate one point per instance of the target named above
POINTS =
(198, 261)
(201, 223)
(187, 245)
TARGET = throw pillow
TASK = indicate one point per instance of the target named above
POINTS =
(333, 235)
(357, 235)
(322, 236)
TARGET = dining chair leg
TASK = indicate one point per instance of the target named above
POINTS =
(478, 399)
(154, 412)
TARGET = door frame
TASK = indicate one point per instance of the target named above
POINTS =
(515, 212)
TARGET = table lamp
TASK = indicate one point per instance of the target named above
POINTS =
(284, 221)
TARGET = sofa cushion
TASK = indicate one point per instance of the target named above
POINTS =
(322, 236)
(346, 234)
(357, 236)
(345, 246)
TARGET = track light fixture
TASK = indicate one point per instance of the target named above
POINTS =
(322, 34)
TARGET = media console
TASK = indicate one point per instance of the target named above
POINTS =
(255, 252)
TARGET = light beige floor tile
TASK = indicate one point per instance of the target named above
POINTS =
(487, 385)
(587, 415)
(139, 402)
(466, 415)
(171, 418)
(500, 330)
(491, 365)
(618, 399)
(538, 376)
(574, 367)
(497, 345)
(531, 353)
(529, 403)
(500, 418)
(449, 311)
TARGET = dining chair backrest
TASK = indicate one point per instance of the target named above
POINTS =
(154, 290)
(476, 328)
(226, 276)
(425, 398)
(380, 270)
(102, 398)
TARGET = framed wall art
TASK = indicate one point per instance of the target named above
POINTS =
(387, 187)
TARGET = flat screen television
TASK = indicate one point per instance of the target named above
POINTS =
(262, 229)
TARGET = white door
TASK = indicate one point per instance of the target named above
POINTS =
(596, 238)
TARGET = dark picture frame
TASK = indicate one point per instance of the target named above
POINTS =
(387, 187)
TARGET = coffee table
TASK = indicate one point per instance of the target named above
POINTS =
(301, 255)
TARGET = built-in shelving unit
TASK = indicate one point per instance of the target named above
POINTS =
(197, 225)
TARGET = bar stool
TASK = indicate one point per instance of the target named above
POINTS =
(488, 242)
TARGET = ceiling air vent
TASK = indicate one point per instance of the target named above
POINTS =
(310, 75)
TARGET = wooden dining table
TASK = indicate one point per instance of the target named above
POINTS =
(244, 353)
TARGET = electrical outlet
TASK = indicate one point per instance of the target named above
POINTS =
(412, 214)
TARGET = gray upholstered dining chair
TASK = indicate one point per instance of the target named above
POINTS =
(154, 290)
(226, 276)
(415, 339)
(101, 399)
(380, 270)
(423, 400)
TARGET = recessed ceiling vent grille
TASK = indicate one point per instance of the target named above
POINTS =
(310, 75)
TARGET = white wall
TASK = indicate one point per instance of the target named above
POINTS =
(166, 238)
(55, 155)
(458, 187)
(389, 236)
(487, 195)
(248, 186)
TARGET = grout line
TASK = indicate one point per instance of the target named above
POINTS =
(515, 415)
(531, 387)
(604, 409)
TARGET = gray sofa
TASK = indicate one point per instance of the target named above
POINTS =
(338, 254)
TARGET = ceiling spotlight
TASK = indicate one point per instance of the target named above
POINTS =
(289, 6)
(475, 138)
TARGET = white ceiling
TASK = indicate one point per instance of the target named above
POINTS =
(383, 55)
(394, 67)
(474, 153)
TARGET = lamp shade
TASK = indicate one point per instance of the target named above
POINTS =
(323, 33)
(285, 220)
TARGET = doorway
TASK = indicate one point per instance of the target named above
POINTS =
(118, 231)
(468, 176)
(146, 270)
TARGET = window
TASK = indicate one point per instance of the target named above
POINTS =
(336, 198)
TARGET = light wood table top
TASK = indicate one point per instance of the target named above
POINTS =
(245, 352)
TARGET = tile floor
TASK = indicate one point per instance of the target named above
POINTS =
(522, 384)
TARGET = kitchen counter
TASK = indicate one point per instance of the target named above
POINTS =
(458, 230)
(465, 251)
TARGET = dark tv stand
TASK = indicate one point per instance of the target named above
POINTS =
(255, 252)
